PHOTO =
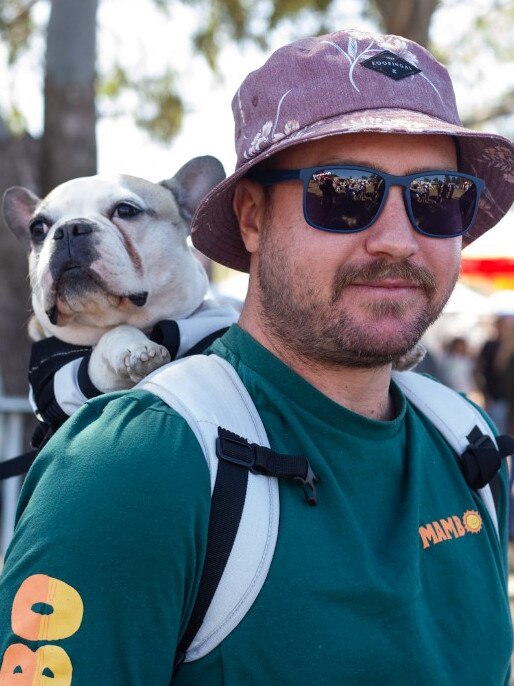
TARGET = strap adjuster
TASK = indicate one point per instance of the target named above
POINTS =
(259, 459)
(233, 448)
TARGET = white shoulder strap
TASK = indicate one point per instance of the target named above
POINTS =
(451, 414)
(208, 393)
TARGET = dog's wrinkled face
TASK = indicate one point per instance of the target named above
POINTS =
(109, 251)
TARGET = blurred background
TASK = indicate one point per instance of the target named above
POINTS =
(141, 86)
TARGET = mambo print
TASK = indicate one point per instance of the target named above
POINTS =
(451, 527)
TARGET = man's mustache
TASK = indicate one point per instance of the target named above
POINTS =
(379, 270)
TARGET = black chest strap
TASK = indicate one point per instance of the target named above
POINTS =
(237, 457)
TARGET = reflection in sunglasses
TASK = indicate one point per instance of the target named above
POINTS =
(352, 201)
(348, 201)
(345, 198)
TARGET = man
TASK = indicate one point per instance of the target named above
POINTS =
(105, 564)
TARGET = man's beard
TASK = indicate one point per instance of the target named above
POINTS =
(326, 333)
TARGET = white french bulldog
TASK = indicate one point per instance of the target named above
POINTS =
(108, 258)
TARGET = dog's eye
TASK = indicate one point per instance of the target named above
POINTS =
(37, 230)
(126, 211)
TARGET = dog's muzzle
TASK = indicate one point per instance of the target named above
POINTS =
(73, 246)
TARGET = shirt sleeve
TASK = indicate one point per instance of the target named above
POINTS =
(101, 575)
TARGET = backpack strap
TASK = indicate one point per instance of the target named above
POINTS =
(16, 466)
(208, 393)
(465, 429)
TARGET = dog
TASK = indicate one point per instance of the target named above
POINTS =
(108, 259)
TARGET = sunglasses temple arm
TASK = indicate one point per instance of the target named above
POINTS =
(273, 175)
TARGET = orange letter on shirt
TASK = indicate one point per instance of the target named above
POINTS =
(46, 609)
(47, 666)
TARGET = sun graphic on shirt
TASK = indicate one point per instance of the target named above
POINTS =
(472, 521)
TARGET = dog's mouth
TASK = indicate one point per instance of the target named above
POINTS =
(78, 290)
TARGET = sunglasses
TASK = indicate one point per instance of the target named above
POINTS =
(347, 199)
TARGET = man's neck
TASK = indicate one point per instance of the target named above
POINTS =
(361, 390)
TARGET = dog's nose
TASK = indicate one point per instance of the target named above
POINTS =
(76, 228)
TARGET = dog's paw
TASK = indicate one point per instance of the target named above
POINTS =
(144, 358)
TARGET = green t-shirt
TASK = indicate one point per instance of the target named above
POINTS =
(395, 577)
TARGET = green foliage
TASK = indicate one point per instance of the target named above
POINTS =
(226, 20)
(162, 109)
(16, 27)
(242, 20)
(158, 108)
(111, 85)
(16, 122)
(163, 5)
(495, 28)
(284, 9)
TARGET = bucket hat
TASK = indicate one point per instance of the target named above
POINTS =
(348, 82)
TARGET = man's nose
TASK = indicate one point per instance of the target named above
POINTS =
(392, 234)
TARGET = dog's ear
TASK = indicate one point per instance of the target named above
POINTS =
(18, 206)
(193, 181)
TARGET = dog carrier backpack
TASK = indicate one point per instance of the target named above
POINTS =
(244, 472)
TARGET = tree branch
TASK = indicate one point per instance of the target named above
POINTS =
(504, 108)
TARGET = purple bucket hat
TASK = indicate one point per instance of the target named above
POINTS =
(347, 82)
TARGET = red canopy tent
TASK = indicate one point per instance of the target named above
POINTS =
(488, 263)
(492, 273)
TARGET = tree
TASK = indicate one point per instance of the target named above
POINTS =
(406, 18)
(67, 148)
(69, 139)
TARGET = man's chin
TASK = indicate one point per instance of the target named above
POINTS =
(373, 344)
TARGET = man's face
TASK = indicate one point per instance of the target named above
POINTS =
(360, 299)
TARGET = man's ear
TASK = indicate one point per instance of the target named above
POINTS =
(249, 208)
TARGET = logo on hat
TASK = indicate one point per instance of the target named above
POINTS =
(391, 65)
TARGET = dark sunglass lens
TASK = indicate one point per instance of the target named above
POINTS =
(443, 204)
(343, 200)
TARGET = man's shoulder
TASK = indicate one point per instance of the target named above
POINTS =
(122, 436)
(133, 402)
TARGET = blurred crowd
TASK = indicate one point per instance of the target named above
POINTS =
(485, 374)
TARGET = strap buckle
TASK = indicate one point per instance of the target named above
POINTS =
(307, 485)
(261, 460)
(480, 460)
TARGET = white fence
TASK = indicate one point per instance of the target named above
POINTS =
(12, 411)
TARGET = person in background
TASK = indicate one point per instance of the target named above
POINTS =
(505, 362)
(490, 373)
(457, 366)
